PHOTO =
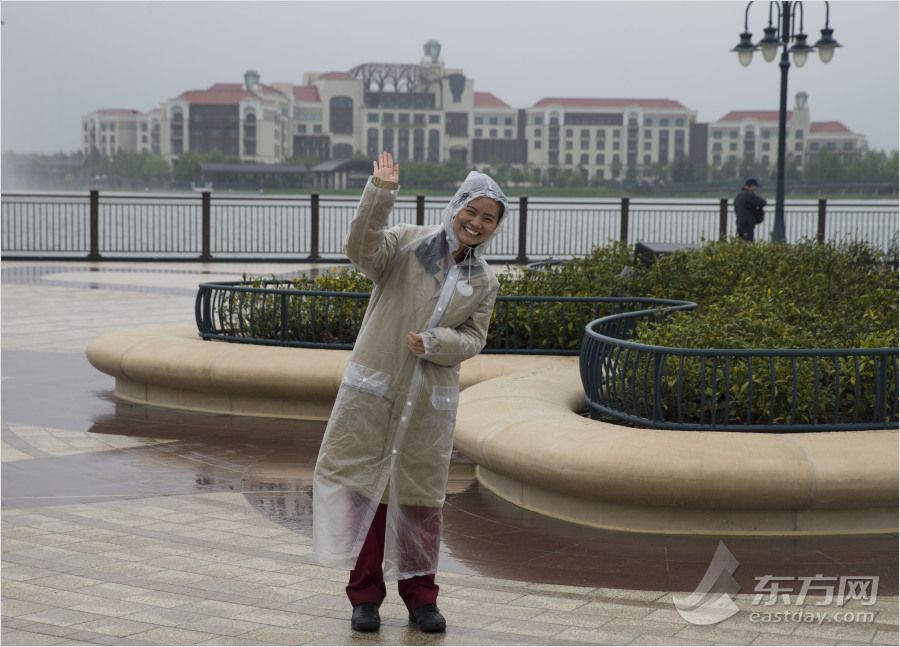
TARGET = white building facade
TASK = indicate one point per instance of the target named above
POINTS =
(427, 112)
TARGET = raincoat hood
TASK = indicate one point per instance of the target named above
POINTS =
(476, 185)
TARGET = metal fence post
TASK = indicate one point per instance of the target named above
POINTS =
(420, 209)
(94, 253)
(723, 218)
(820, 229)
(522, 258)
(623, 221)
(313, 226)
(204, 235)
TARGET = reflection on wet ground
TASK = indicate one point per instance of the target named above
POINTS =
(156, 452)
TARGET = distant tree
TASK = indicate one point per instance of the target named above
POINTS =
(186, 169)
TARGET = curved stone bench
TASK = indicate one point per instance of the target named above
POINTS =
(172, 367)
(517, 421)
(531, 448)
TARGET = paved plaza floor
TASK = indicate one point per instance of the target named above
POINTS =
(130, 525)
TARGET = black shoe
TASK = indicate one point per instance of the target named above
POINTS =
(365, 617)
(428, 617)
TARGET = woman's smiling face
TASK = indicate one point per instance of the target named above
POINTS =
(476, 221)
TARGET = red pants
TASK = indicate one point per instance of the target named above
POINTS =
(367, 579)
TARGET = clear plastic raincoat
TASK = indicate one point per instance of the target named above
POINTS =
(390, 434)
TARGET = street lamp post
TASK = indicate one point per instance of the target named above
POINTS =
(787, 29)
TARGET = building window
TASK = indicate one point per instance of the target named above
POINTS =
(601, 144)
(798, 135)
(387, 140)
(507, 132)
(601, 159)
(648, 146)
(434, 119)
(584, 160)
(616, 146)
(403, 144)
(373, 117)
(732, 146)
(648, 134)
(537, 143)
(585, 133)
(765, 146)
(457, 124)
(617, 133)
(717, 147)
(568, 145)
(717, 134)
(492, 132)
(372, 148)
(478, 132)
(798, 146)
(647, 161)
(585, 144)
(493, 121)
(537, 132)
(479, 121)
(537, 120)
(569, 132)
(434, 142)
(848, 146)
(317, 128)
(301, 128)
(601, 134)
(734, 134)
(717, 160)
(553, 157)
(419, 145)
(568, 158)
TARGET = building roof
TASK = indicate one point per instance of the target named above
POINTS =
(337, 75)
(609, 103)
(488, 100)
(342, 165)
(307, 93)
(121, 112)
(242, 169)
(828, 128)
(759, 115)
(223, 94)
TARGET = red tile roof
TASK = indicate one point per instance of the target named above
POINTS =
(610, 103)
(336, 75)
(307, 93)
(223, 93)
(488, 100)
(759, 115)
(828, 127)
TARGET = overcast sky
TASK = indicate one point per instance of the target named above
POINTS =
(62, 60)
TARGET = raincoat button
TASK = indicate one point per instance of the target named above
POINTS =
(403, 419)
(409, 404)
(440, 309)
(394, 451)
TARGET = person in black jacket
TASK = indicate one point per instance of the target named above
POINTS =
(749, 209)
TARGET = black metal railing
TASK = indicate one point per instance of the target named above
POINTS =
(206, 226)
(734, 389)
(272, 313)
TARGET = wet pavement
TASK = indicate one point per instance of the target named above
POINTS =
(127, 524)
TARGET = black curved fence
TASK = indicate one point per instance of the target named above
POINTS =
(733, 389)
(274, 314)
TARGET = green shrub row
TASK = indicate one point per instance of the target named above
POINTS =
(750, 296)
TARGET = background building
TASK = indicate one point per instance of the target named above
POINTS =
(427, 112)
